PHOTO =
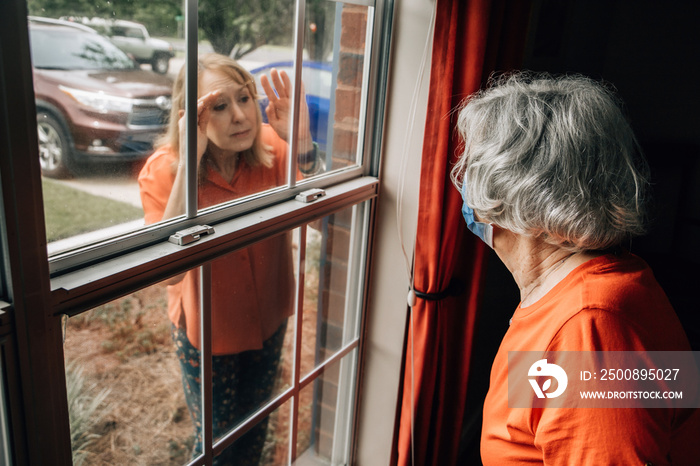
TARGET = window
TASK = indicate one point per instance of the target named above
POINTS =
(112, 273)
(93, 135)
(124, 376)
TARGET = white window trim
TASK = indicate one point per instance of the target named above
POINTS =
(81, 289)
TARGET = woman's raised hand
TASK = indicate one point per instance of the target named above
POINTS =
(204, 105)
(280, 106)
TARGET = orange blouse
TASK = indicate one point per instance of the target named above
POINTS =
(252, 288)
(609, 303)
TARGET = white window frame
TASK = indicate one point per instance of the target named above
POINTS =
(40, 291)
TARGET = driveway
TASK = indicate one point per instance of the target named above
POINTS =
(121, 187)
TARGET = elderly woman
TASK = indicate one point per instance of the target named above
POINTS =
(252, 289)
(553, 180)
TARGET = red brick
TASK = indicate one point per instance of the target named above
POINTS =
(338, 245)
(350, 68)
(327, 418)
(353, 27)
(333, 337)
(332, 373)
(335, 304)
(344, 143)
(342, 220)
(330, 392)
(347, 104)
(324, 444)
(338, 279)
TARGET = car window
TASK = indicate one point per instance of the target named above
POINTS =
(133, 32)
(55, 48)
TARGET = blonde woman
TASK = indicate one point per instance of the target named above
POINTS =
(252, 289)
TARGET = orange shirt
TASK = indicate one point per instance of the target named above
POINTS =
(252, 288)
(609, 303)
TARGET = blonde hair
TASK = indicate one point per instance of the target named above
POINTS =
(259, 153)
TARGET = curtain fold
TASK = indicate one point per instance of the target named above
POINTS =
(472, 39)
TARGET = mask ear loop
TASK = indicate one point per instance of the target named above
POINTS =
(411, 298)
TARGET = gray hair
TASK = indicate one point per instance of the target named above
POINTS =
(553, 157)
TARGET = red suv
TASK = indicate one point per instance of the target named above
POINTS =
(94, 103)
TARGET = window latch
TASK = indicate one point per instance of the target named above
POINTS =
(190, 235)
(310, 195)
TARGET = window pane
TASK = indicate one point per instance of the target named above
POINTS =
(253, 301)
(330, 314)
(336, 36)
(272, 434)
(102, 116)
(98, 115)
(4, 437)
(124, 383)
(323, 433)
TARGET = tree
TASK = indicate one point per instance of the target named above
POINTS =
(157, 15)
(320, 18)
(238, 27)
(233, 27)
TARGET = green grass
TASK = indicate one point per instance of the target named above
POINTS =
(70, 212)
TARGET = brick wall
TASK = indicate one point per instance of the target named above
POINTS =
(349, 85)
(336, 228)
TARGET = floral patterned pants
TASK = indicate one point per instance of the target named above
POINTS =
(241, 383)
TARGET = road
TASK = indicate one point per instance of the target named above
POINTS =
(120, 185)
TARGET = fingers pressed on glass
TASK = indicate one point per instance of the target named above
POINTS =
(281, 81)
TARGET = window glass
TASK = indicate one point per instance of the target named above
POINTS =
(63, 49)
(100, 108)
(334, 79)
(134, 366)
(125, 392)
(274, 450)
(329, 312)
(323, 416)
(4, 433)
(253, 294)
(104, 106)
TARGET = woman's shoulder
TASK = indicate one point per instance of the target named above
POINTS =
(157, 166)
(617, 304)
(162, 158)
(620, 281)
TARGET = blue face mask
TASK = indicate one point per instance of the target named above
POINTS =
(480, 229)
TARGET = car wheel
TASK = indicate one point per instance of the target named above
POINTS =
(160, 63)
(54, 148)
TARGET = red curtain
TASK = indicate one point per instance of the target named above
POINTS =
(472, 39)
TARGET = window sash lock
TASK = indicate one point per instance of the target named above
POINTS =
(190, 235)
(310, 195)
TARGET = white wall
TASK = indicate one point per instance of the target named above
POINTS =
(386, 315)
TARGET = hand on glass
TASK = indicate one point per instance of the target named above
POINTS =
(280, 107)
(204, 105)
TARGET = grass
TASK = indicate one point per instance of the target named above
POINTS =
(85, 407)
(69, 212)
(125, 347)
